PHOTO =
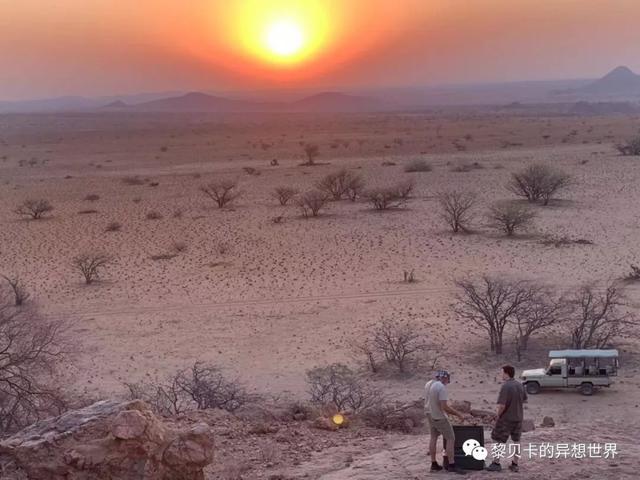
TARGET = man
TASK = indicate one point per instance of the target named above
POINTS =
(435, 408)
(510, 414)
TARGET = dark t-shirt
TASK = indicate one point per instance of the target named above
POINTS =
(512, 396)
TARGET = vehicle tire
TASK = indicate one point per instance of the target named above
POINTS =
(586, 388)
(533, 388)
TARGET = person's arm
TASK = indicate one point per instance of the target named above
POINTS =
(501, 409)
(450, 410)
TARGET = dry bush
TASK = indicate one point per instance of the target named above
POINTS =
(222, 192)
(393, 417)
(634, 274)
(312, 202)
(90, 265)
(399, 343)
(418, 166)
(510, 218)
(133, 180)
(491, 304)
(631, 147)
(599, 317)
(34, 209)
(311, 151)
(336, 385)
(284, 194)
(405, 189)
(113, 227)
(92, 197)
(457, 209)
(340, 184)
(538, 183)
(18, 289)
(31, 347)
(199, 387)
(384, 198)
(153, 215)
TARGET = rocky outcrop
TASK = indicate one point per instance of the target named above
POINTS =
(107, 440)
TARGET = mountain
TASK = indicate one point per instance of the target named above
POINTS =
(619, 81)
(335, 102)
(202, 102)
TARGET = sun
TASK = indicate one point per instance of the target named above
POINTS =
(284, 38)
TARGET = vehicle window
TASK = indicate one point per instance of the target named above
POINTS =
(555, 370)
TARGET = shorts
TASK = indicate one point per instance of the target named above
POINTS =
(505, 428)
(441, 426)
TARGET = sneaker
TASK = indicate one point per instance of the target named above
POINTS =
(514, 468)
(435, 467)
(453, 468)
(494, 467)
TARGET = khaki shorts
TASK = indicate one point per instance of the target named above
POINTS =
(505, 429)
(441, 426)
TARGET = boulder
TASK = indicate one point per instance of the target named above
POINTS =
(108, 440)
(548, 422)
(528, 425)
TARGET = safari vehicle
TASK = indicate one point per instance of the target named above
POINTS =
(582, 369)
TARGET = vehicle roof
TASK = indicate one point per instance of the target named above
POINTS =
(583, 353)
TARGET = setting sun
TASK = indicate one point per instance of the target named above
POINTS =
(284, 38)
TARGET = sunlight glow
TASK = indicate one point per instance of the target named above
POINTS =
(284, 38)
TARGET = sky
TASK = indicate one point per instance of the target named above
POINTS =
(100, 47)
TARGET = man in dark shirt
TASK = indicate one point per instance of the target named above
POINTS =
(510, 414)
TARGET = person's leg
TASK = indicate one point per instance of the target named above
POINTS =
(499, 435)
(433, 444)
(516, 432)
(447, 433)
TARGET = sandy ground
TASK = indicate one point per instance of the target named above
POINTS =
(267, 301)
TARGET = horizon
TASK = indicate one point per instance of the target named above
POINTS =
(95, 49)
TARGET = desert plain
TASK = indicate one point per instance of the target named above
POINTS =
(265, 294)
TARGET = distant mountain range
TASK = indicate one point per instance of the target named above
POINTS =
(619, 85)
(202, 102)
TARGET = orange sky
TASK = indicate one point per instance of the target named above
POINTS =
(101, 47)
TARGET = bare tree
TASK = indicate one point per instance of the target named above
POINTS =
(538, 183)
(312, 202)
(457, 209)
(222, 192)
(540, 312)
(337, 385)
(599, 317)
(405, 188)
(90, 264)
(31, 347)
(491, 304)
(367, 349)
(34, 209)
(19, 290)
(311, 151)
(510, 218)
(399, 342)
(354, 187)
(284, 194)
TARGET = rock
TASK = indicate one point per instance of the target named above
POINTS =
(325, 423)
(548, 422)
(108, 440)
(481, 413)
(461, 406)
(528, 425)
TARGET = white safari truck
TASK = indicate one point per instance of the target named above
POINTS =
(582, 369)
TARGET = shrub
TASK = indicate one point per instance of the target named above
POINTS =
(384, 198)
(631, 147)
(418, 166)
(338, 386)
(399, 343)
(113, 227)
(222, 192)
(312, 202)
(538, 183)
(19, 290)
(284, 194)
(510, 218)
(133, 180)
(90, 265)
(92, 197)
(34, 209)
(342, 183)
(153, 215)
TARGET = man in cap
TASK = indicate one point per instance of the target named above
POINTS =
(436, 408)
